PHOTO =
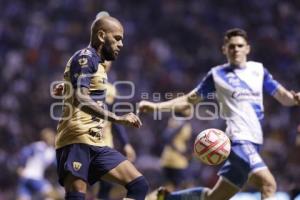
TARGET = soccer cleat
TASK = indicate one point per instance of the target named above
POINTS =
(162, 193)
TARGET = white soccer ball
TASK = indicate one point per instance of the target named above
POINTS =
(212, 146)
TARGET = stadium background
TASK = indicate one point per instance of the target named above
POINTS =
(169, 45)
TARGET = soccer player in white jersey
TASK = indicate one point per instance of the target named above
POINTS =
(239, 85)
(35, 158)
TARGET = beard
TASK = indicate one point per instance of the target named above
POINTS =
(107, 53)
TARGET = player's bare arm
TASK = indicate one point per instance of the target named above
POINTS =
(89, 106)
(178, 104)
(287, 98)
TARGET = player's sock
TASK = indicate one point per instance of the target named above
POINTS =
(188, 194)
(137, 189)
(74, 196)
(105, 188)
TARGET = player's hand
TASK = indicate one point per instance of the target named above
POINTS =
(58, 89)
(146, 107)
(296, 97)
(130, 120)
(129, 152)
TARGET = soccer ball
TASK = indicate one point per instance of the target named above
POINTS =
(212, 146)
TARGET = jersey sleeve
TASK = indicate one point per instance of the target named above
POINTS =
(206, 86)
(269, 84)
(81, 69)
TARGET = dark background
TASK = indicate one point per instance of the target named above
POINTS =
(169, 46)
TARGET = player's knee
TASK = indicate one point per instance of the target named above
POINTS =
(137, 189)
(76, 188)
(74, 184)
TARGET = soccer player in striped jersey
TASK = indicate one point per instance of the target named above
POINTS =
(239, 85)
(35, 158)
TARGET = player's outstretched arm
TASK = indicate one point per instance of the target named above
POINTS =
(88, 105)
(287, 98)
(179, 104)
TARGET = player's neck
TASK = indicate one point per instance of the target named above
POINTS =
(238, 65)
(98, 51)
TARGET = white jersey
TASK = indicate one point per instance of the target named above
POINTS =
(239, 92)
(37, 157)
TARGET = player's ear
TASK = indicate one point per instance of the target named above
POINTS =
(224, 49)
(101, 36)
(248, 49)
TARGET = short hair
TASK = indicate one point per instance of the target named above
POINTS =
(235, 32)
(96, 23)
(95, 27)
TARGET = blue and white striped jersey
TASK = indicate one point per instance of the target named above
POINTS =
(239, 92)
(35, 158)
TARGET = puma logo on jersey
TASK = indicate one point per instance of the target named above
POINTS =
(83, 62)
(76, 165)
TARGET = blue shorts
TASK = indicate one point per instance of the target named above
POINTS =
(242, 161)
(28, 187)
(175, 176)
(87, 162)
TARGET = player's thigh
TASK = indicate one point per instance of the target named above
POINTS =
(122, 174)
(222, 190)
(262, 178)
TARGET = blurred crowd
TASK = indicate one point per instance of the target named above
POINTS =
(169, 45)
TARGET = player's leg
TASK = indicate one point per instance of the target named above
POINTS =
(127, 175)
(73, 163)
(175, 178)
(223, 190)
(75, 187)
(234, 173)
(265, 181)
(172, 178)
(232, 178)
(246, 164)
(242, 160)
(104, 190)
(112, 166)
(23, 192)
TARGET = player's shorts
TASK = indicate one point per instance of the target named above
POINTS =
(242, 161)
(175, 176)
(87, 162)
(28, 187)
